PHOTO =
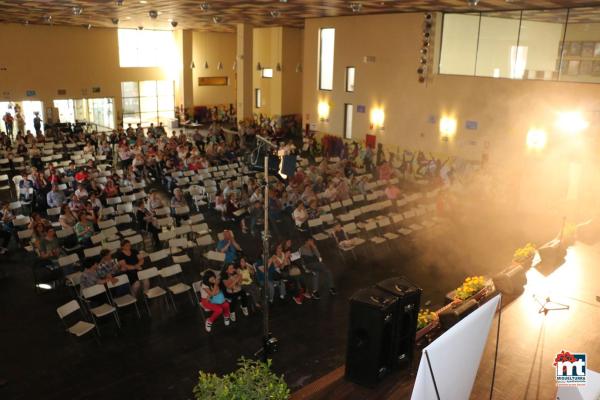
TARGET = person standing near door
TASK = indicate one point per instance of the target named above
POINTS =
(8, 123)
(20, 122)
(37, 124)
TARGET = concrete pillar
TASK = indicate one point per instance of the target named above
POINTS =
(244, 69)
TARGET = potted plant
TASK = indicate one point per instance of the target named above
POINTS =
(472, 286)
(426, 322)
(253, 380)
(524, 255)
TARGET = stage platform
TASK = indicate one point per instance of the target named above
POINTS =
(529, 341)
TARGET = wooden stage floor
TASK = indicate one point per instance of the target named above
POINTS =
(529, 341)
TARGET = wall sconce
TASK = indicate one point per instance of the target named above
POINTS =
(206, 64)
(571, 122)
(192, 65)
(298, 68)
(448, 126)
(536, 139)
(323, 111)
(258, 66)
(278, 67)
(377, 118)
(220, 65)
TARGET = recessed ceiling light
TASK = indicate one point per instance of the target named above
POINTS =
(77, 10)
(143, 2)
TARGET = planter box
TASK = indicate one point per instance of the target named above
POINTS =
(427, 329)
(451, 296)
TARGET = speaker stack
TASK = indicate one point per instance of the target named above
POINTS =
(382, 328)
(511, 281)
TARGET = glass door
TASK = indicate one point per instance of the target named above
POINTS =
(30, 110)
(66, 110)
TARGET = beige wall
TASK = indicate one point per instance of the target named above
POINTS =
(267, 52)
(291, 77)
(214, 48)
(504, 109)
(48, 58)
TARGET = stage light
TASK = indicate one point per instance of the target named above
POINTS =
(323, 110)
(536, 139)
(377, 117)
(571, 122)
(448, 126)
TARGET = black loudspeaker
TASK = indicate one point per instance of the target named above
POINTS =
(552, 256)
(288, 166)
(511, 281)
(405, 318)
(370, 336)
(449, 317)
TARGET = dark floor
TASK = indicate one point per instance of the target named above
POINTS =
(159, 358)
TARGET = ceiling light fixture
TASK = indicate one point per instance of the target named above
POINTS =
(119, 3)
(140, 28)
(473, 3)
(174, 24)
(77, 10)
(48, 19)
(115, 21)
(26, 22)
(275, 13)
(143, 2)
(355, 7)
(88, 26)
(153, 14)
(216, 19)
(204, 6)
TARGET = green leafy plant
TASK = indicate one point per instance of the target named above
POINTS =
(253, 380)
(524, 253)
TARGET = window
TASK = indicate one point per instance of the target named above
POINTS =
(148, 102)
(518, 61)
(519, 44)
(99, 111)
(145, 48)
(326, 52)
(267, 72)
(258, 98)
(348, 109)
(350, 72)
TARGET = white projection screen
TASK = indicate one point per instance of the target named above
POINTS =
(455, 357)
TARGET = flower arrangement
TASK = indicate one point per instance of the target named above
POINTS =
(470, 286)
(425, 318)
(524, 253)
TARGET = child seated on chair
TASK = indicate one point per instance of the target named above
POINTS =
(213, 300)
